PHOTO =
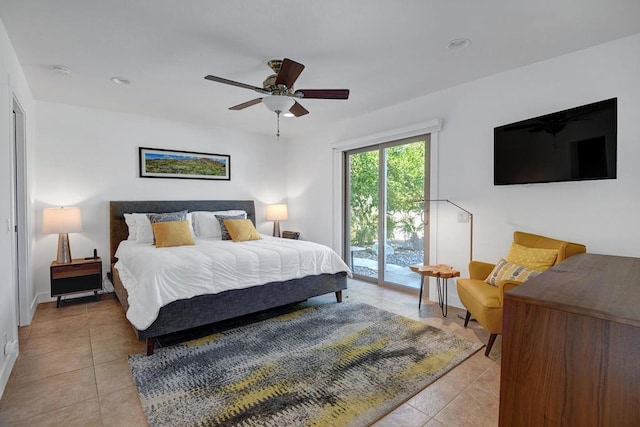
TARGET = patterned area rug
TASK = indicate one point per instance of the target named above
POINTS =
(344, 364)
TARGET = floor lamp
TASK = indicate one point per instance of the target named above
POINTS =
(470, 227)
(470, 223)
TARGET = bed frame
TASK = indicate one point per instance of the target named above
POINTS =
(206, 309)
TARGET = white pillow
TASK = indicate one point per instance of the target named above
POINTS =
(131, 225)
(144, 232)
(142, 229)
(207, 225)
(191, 227)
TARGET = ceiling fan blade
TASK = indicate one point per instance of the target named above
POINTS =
(323, 93)
(246, 104)
(232, 83)
(289, 73)
(298, 110)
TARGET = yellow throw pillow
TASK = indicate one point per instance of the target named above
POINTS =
(507, 271)
(536, 258)
(241, 230)
(172, 233)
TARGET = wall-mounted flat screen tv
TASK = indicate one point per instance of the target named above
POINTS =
(571, 145)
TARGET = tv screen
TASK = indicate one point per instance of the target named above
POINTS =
(571, 145)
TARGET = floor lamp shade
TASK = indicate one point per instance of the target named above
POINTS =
(62, 221)
(277, 213)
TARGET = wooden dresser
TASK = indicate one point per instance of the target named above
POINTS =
(571, 346)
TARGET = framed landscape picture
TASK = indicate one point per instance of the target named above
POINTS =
(159, 163)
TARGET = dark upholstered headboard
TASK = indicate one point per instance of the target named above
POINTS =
(118, 230)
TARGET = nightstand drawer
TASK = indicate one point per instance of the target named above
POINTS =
(70, 285)
(65, 271)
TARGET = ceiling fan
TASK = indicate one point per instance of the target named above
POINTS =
(279, 93)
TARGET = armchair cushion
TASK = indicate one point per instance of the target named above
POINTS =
(536, 258)
(509, 271)
(483, 301)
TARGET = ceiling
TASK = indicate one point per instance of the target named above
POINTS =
(384, 51)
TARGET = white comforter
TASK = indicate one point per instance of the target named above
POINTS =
(155, 277)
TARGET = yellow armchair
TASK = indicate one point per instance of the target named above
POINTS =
(484, 301)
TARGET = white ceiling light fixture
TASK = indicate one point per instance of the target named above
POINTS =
(120, 80)
(278, 104)
(458, 44)
(61, 69)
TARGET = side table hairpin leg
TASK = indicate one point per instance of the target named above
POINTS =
(441, 284)
(424, 278)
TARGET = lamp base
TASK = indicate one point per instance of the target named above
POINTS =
(64, 250)
(276, 228)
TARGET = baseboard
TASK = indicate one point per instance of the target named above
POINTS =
(42, 297)
(7, 366)
(33, 307)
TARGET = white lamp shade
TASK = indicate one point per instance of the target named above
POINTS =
(277, 213)
(61, 220)
(277, 103)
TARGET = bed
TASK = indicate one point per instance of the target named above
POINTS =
(205, 309)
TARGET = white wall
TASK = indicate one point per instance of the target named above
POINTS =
(600, 214)
(12, 83)
(87, 157)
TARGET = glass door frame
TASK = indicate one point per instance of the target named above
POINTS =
(382, 204)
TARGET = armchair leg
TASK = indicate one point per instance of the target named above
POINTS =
(466, 318)
(492, 338)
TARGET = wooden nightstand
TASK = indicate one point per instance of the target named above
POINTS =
(80, 275)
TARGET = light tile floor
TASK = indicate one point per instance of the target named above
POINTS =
(73, 370)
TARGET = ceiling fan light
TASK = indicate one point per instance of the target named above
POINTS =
(277, 103)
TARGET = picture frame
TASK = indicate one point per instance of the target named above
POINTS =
(162, 163)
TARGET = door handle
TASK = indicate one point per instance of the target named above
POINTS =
(425, 217)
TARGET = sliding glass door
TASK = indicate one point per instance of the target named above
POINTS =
(362, 211)
(386, 186)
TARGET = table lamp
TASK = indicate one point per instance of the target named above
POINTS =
(276, 213)
(62, 221)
